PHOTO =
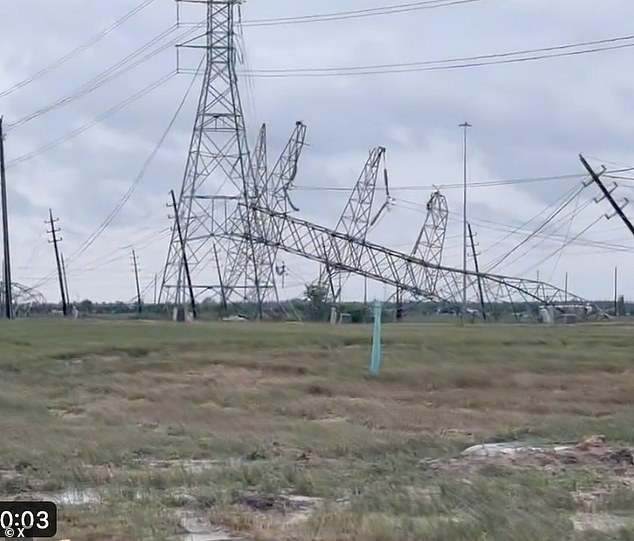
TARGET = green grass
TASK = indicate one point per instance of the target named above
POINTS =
(292, 409)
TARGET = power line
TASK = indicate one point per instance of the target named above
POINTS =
(521, 230)
(355, 14)
(123, 66)
(451, 186)
(126, 197)
(541, 227)
(567, 241)
(525, 224)
(559, 250)
(139, 244)
(78, 131)
(106, 223)
(550, 233)
(526, 55)
(77, 51)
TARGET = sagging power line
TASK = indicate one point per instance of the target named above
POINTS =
(92, 41)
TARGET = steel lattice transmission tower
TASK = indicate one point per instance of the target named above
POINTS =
(431, 240)
(218, 175)
(356, 218)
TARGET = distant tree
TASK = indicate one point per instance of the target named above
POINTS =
(316, 296)
(86, 306)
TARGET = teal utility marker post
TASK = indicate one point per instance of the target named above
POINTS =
(375, 361)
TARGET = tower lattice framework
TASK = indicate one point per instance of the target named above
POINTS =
(219, 174)
(431, 240)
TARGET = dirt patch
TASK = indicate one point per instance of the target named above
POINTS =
(190, 466)
(601, 522)
(592, 454)
(68, 413)
(291, 509)
(198, 528)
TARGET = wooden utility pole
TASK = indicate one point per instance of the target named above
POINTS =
(55, 240)
(138, 287)
(8, 298)
(607, 194)
(399, 304)
(616, 292)
(65, 278)
(185, 264)
(477, 268)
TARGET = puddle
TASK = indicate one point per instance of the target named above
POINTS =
(199, 529)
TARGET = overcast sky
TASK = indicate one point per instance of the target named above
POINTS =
(530, 119)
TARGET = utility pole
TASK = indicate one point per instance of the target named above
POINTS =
(223, 294)
(608, 195)
(566, 290)
(155, 287)
(465, 126)
(55, 240)
(477, 267)
(185, 264)
(8, 299)
(616, 291)
(65, 278)
(138, 287)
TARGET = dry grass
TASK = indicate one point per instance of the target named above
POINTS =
(291, 409)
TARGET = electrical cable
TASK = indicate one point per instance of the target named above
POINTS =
(525, 224)
(532, 235)
(597, 243)
(609, 245)
(526, 55)
(77, 51)
(550, 235)
(97, 120)
(355, 14)
(139, 244)
(567, 240)
(113, 72)
(126, 197)
(585, 230)
(454, 185)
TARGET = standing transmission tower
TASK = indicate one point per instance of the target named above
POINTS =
(223, 181)
(218, 165)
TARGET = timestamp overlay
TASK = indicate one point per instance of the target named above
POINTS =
(27, 520)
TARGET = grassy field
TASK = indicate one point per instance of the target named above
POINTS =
(231, 423)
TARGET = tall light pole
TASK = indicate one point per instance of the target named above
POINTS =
(463, 314)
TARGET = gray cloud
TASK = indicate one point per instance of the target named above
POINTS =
(530, 119)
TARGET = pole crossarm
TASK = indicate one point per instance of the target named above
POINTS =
(342, 252)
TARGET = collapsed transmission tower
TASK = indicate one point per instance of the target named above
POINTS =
(23, 299)
(221, 173)
(357, 219)
(340, 252)
(431, 240)
(429, 247)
